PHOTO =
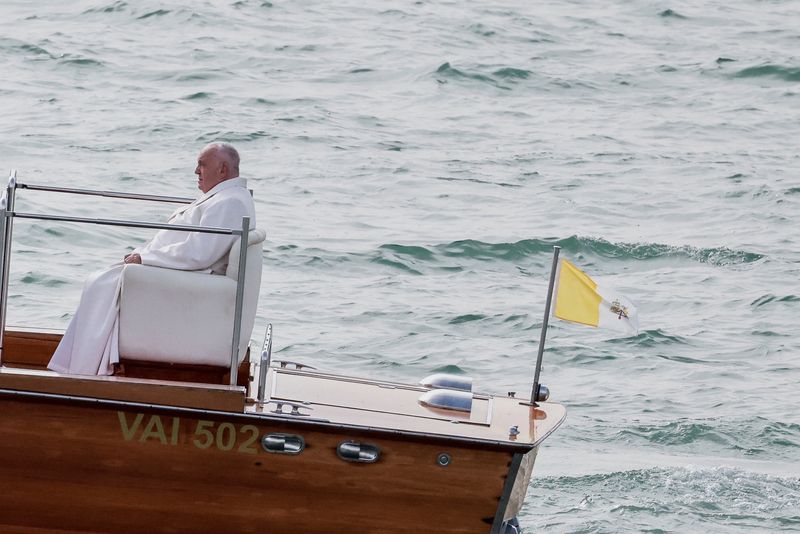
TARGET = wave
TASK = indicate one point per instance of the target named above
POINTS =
(448, 71)
(43, 280)
(512, 73)
(571, 355)
(156, 13)
(234, 137)
(789, 74)
(758, 437)
(770, 299)
(654, 338)
(481, 30)
(69, 59)
(202, 95)
(574, 245)
(458, 255)
(673, 499)
(13, 45)
(402, 266)
(450, 369)
(110, 8)
(37, 53)
(477, 181)
(496, 78)
(467, 318)
(672, 14)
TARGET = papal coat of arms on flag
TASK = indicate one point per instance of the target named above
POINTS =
(580, 299)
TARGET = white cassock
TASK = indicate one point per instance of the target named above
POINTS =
(90, 344)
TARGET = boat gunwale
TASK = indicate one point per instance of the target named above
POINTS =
(93, 402)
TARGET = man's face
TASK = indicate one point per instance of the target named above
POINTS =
(210, 170)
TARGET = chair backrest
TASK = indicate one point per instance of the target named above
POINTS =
(255, 239)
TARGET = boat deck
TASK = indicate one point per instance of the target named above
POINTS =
(368, 403)
(297, 395)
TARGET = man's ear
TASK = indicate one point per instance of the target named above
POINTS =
(223, 169)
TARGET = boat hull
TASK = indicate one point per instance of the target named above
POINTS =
(112, 466)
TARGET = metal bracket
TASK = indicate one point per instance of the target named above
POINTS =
(297, 365)
(266, 355)
(283, 443)
(353, 451)
(295, 407)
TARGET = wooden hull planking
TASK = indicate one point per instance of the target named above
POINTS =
(117, 467)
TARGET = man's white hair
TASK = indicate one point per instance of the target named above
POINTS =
(228, 153)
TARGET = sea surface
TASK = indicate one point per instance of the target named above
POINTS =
(415, 162)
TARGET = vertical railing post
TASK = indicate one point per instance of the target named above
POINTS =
(6, 224)
(3, 211)
(237, 314)
(266, 356)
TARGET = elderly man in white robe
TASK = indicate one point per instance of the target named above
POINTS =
(90, 344)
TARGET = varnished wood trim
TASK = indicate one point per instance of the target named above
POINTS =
(31, 349)
(210, 396)
(200, 374)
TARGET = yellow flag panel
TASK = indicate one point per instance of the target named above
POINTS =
(576, 297)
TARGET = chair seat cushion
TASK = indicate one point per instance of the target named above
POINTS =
(176, 316)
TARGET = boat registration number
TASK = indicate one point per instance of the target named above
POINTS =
(200, 433)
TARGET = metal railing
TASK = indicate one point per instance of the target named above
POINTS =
(107, 194)
(7, 216)
(266, 356)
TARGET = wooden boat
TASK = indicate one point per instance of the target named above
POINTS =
(265, 446)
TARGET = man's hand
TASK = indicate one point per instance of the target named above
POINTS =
(132, 258)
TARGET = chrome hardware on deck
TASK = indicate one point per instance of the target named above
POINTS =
(352, 451)
(542, 393)
(444, 459)
(447, 381)
(297, 365)
(448, 399)
(266, 356)
(283, 443)
(295, 407)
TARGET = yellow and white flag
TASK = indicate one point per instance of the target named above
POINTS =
(580, 300)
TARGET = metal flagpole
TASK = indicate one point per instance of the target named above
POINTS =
(535, 391)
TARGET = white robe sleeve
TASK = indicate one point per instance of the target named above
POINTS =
(198, 251)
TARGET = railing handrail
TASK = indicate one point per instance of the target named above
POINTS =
(7, 215)
(108, 194)
(125, 223)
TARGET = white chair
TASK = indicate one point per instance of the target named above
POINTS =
(183, 317)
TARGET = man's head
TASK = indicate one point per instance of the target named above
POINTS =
(216, 163)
